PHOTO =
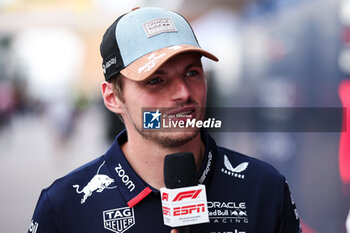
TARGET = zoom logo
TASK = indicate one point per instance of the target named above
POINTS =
(125, 178)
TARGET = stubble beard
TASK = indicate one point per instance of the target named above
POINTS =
(169, 139)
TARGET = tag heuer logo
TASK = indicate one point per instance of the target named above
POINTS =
(118, 220)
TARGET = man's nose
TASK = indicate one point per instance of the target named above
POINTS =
(180, 90)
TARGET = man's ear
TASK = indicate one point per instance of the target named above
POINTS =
(111, 101)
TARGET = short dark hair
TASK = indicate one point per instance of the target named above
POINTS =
(117, 85)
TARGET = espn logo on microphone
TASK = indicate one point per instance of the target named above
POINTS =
(184, 206)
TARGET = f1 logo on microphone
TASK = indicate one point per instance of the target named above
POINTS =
(184, 206)
(192, 194)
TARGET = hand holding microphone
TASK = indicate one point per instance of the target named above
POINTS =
(184, 201)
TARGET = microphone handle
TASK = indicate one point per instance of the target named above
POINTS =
(184, 229)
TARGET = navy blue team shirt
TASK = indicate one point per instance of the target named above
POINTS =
(245, 195)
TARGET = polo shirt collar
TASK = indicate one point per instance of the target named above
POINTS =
(208, 161)
(131, 187)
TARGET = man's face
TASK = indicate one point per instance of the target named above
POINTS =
(178, 85)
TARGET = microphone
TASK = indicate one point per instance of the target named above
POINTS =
(184, 201)
(180, 170)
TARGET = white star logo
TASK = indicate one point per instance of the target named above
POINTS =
(156, 115)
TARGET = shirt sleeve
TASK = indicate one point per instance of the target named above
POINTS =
(44, 218)
(289, 221)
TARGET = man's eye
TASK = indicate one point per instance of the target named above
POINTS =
(191, 73)
(154, 81)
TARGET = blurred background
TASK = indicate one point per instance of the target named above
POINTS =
(273, 53)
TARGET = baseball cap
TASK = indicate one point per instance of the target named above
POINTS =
(140, 41)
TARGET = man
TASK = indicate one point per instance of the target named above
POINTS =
(151, 59)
